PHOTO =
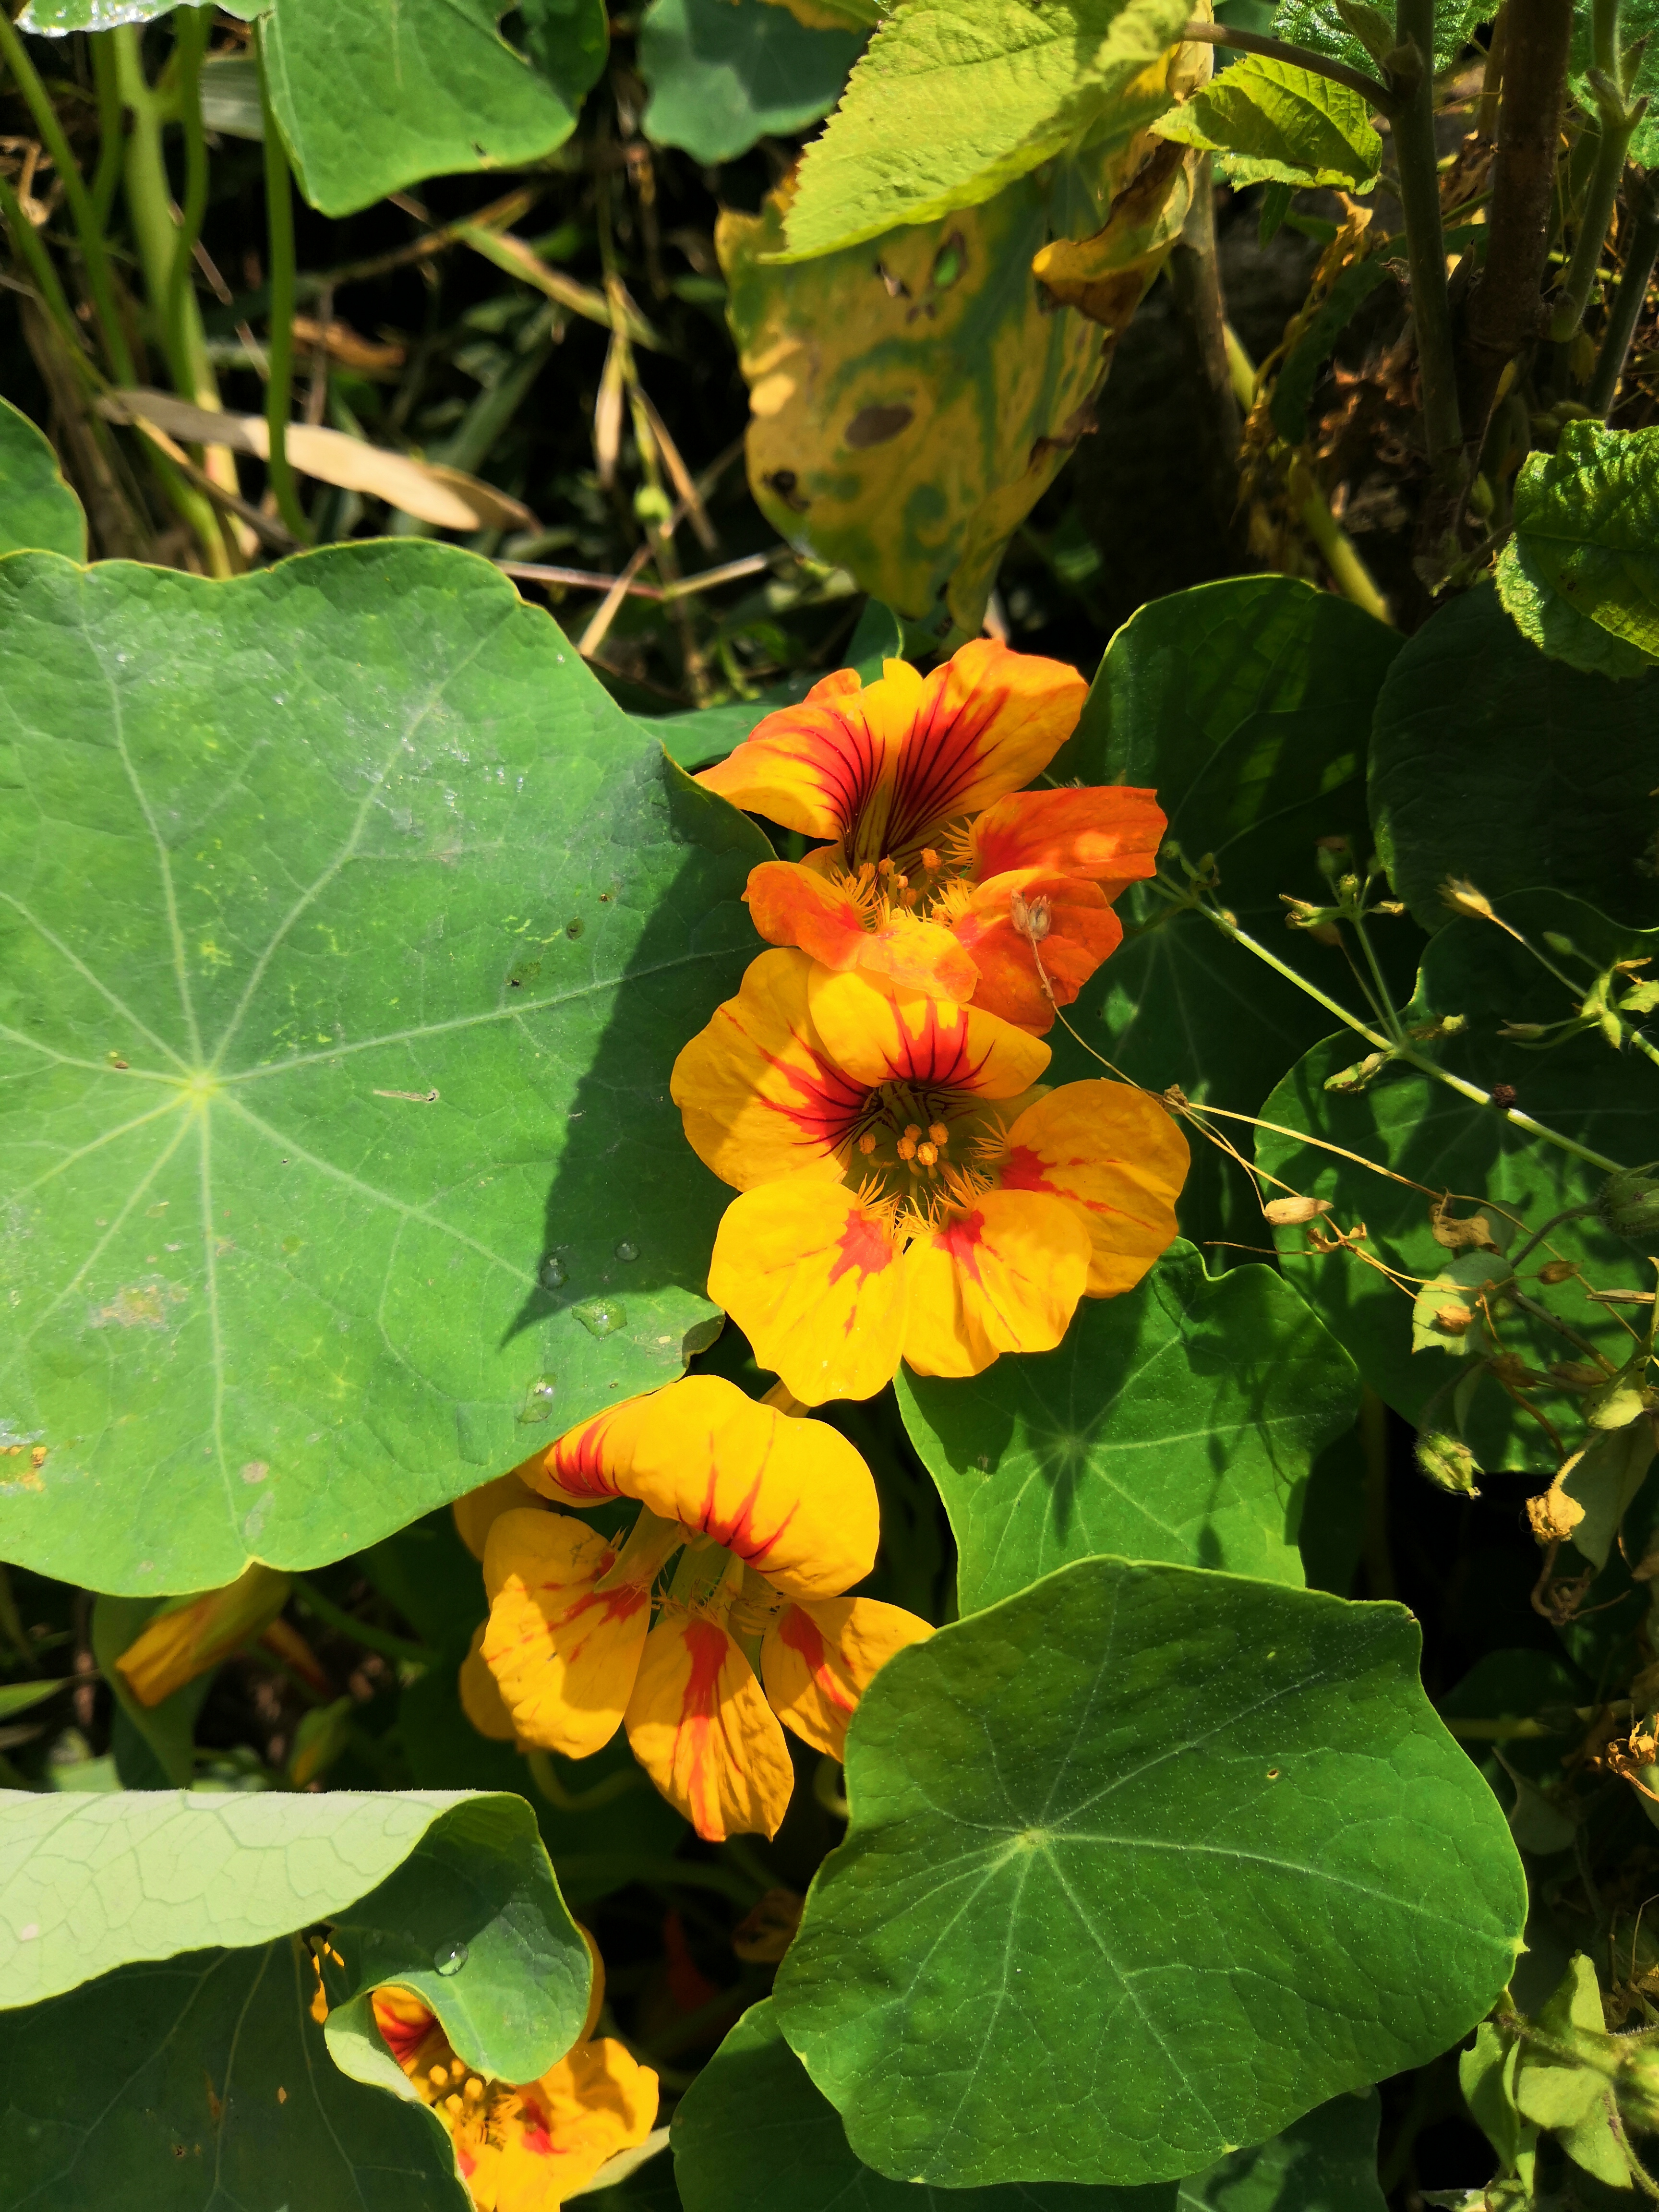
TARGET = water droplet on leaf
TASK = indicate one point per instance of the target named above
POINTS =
(602, 1316)
(450, 1960)
(538, 1400)
(628, 1250)
(553, 1273)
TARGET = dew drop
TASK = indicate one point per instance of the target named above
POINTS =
(602, 1316)
(450, 1960)
(553, 1273)
(538, 1400)
(628, 1250)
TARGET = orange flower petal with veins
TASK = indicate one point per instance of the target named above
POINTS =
(794, 905)
(878, 1034)
(1082, 931)
(1117, 1157)
(884, 769)
(700, 1727)
(791, 1499)
(760, 1094)
(1107, 833)
(563, 1654)
(817, 1661)
(814, 1279)
(1004, 1276)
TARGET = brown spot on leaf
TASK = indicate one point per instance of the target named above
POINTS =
(875, 426)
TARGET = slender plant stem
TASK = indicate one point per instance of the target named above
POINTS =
(191, 28)
(360, 1631)
(1640, 254)
(112, 129)
(279, 207)
(1595, 222)
(1405, 1052)
(545, 1774)
(88, 229)
(1257, 42)
(1417, 159)
(26, 243)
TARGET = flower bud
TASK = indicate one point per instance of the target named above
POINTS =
(1448, 1463)
(1462, 897)
(176, 1647)
(1290, 1213)
(1628, 1203)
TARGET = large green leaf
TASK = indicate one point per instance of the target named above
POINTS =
(724, 73)
(1179, 1422)
(955, 99)
(338, 1160)
(383, 93)
(1143, 1863)
(1246, 705)
(1319, 24)
(752, 2133)
(37, 507)
(204, 2083)
(410, 1882)
(1587, 520)
(1272, 122)
(1421, 1129)
(55, 19)
(1326, 2162)
(1490, 761)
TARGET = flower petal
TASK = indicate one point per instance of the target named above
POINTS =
(817, 1661)
(761, 1093)
(702, 1729)
(1117, 1158)
(563, 1654)
(881, 1034)
(812, 1277)
(175, 1648)
(791, 904)
(790, 1498)
(481, 1698)
(1005, 1277)
(596, 2101)
(474, 1513)
(814, 767)
(1082, 930)
(408, 2029)
(1107, 833)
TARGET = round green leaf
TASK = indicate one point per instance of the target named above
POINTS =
(37, 507)
(384, 92)
(1143, 1863)
(1246, 705)
(347, 934)
(752, 2133)
(1178, 1422)
(1493, 762)
(724, 73)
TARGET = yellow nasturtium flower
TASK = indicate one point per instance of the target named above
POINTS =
(909, 1190)
(191, 1638)
(774, 1518)
(524, 2147)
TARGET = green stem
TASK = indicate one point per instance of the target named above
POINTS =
(372, 1639)
(1600, 198)
(1391, 1020)
(26, 243)
(1406, 1052)
(88, 229)
(112, 129)
(1627, 310)
(191, 28)
(279, 212)
(1257, 42)
(1416, 158)
(543, 1774)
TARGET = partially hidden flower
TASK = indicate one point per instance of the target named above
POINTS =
(933, 846)
(909, 1190)
(524, 2146)
(196, 1635)
(773, 1519)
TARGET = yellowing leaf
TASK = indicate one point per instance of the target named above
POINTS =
(954, 99)
(913, 400)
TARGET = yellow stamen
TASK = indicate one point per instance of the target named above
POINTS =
(929, 858)
(907, 1150)
(938, 1133)
(474, 2089)
(868, 1143)
(453, 2105)
(927, 1154)
(913, 1130)
(439, 2077)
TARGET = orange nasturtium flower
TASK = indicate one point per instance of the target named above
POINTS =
(916, 782)
(774, 1518)
(524, 2146)
(907, 1188)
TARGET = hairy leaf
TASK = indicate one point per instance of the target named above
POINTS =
(1319, 24)
(384, 92)
(1554, 623)
(1440, 1141)
(338, 1154)
(1326, 2162)
(955, 99)
(37, 507)
(753, 2133)
(1246, 705)
(1481, 768)
(1178, 1422)
(724, 73)
(1587, 517)
(1080, 1805)
(1272, 122)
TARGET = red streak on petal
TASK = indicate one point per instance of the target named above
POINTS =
(536, 2139)
(825, 1104)
(801, 1633)
(938, 764)
(578, 1464)
(960, 1241)
(705, 1646)
(464, 2160)
(403, 2038)
(863, 1246)
(1024, 1170)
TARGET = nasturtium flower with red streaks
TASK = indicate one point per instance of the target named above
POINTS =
(773, 1518)
(909, 1191)
(525, 2145)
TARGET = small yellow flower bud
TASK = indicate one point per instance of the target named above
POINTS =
(178, 1645)
(1462, 897)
